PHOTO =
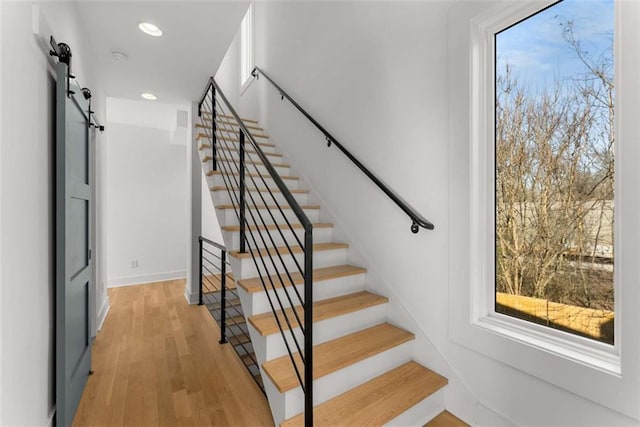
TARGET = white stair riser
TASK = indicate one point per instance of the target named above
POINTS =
(262, 239)
(226, 154)
(323, 331)
(231, 125)
(230, 218)
(282, 171)
(245, 267)
(228, 139)
(258, 302)
(252, 181)
(261, 169)
(288, 404)
(221, 197)
(220, 143)
(422, 412)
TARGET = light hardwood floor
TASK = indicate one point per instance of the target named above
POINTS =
(157, 361)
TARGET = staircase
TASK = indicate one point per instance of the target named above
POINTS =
(363, 372)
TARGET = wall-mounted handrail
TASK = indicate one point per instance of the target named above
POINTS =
(416, 217)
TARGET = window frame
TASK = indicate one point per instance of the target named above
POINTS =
(247, 48)
(581, 349)
(565, 360)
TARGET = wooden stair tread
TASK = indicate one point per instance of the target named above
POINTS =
(219, 121)
(225, 123)
(232, 121)
(238, 339)
(255, 175)
(229, 303)
(336, 354)
(271, 227)
(207, 158)
(269, 206)
(231, 138)
(262, 190)
(266, 324)
(283, 250)
(319, 274)
(225, 129)
(213, 282)
(446, 419)
(249, 359)
(377, 401)
(233, 118)
(205, 145)
(200, 136)
(234, 320)
(206, 113)
(234, 149)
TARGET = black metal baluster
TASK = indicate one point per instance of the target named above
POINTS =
(253, 222)
(213, 126)
(200, 293)
(242, 196)
(223, 296)
(308, 326)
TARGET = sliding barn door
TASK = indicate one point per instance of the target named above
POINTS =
(74, 269)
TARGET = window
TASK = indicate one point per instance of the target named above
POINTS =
(569, 361)
(246, 47)
(554, 169)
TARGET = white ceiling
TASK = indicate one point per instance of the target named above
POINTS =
(175, 67)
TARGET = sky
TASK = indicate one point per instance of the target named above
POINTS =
(537, 51)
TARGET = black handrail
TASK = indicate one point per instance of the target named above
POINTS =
(212, 243)
(304, 220)
(418, 220)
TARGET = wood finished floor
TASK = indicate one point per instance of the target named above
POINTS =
(157, 362)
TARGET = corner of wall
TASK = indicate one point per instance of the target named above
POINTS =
(194, 213)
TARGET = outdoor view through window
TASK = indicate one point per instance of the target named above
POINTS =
(554, 168)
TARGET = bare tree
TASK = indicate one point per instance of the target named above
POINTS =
(554, 181)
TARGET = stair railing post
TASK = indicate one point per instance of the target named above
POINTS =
(308, 326)
(242, 195)
(213, 126)
(200, 269)
(223, 297)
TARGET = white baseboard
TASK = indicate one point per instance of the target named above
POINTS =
(146, 278)
(104, 310)
(191, 297)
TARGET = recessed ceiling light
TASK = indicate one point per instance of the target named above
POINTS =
(149, 96)
(150, 29)
(119, 56)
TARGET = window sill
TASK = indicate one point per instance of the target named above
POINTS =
(569, 347)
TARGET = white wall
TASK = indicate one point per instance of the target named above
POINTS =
(210, 226)
(376, 74)
(1, 222)
(146, 205)
(27, 321)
